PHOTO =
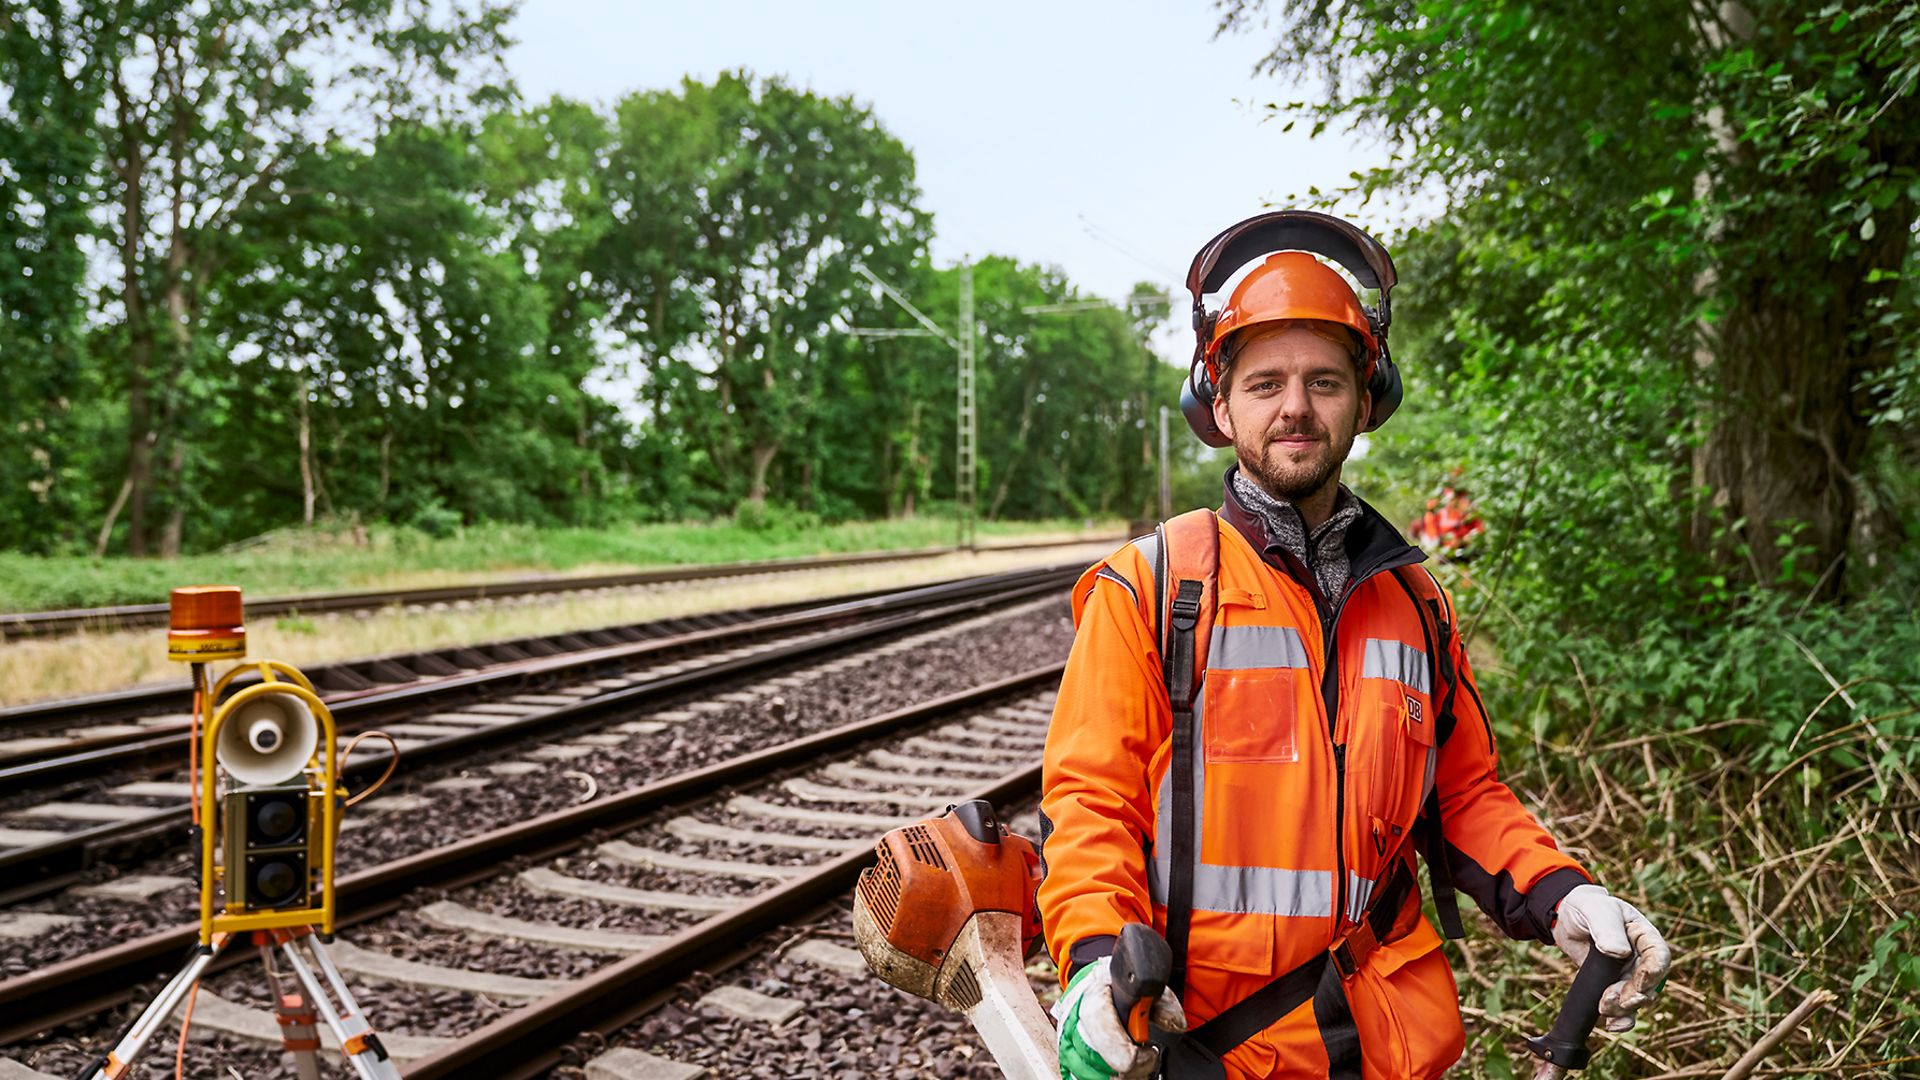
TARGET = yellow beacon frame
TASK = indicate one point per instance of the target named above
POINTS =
(324, 795)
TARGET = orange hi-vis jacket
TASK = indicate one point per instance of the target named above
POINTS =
(1318, 740)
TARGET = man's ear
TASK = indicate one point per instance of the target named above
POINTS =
(1221, 419)
(1366, 410)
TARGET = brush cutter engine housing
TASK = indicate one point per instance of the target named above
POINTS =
(931, 879)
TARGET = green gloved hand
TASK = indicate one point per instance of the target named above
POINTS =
(1094, 1044)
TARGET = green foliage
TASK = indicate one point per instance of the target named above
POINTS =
(468, 310)
(1662, 251)
(153, 136)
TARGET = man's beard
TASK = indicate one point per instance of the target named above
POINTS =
(1292, 480)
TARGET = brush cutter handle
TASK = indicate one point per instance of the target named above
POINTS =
(1565, 1045)
(1142, 964)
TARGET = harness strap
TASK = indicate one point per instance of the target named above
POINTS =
(1182, 617)
(1320, 978)
(1189, 559)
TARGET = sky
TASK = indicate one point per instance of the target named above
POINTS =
(1109, 139)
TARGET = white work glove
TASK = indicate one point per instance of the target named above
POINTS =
(1094, 1044)
(1589, 918)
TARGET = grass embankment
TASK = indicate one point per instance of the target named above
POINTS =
(33, 670)
(351, 560)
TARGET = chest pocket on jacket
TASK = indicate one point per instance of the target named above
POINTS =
(1251, 706)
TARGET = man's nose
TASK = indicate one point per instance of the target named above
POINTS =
(1294, 402)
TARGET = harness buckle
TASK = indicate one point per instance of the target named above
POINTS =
(1186, 605)
(1352, 950)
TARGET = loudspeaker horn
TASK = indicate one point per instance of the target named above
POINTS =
(268, 740)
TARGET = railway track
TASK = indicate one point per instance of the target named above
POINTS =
(63, 813)
(33, 735)
(26, 624)
(46, 729)
(629, 894)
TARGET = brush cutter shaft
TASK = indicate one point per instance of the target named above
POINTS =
(1008, 1015)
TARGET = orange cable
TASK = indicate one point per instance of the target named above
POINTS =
(392, 763)
(180, 1054)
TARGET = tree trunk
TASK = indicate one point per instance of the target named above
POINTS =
(1019, 441)
(386, 466)
(762, 457)
(1781, 460)
(306, 455)
(139, 335)
(177, 512)
(113, 513)
(1786, 362)
(580, 443)
(139, 443)
(910, 468)
(887, 473)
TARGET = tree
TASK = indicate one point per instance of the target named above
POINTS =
(200, 109)
(48, 181)
(741, 209)
(1710, 204)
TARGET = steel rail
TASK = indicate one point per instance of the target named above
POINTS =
(527, 1042)
(46, 866)
(84, 985)
(367, 672)
(87, 758)
(71, 620)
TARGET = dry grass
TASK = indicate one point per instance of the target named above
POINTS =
(1778, 891)
(91, 663)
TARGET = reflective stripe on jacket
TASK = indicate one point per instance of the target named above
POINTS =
(1298, 819)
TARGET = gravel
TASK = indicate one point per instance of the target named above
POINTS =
(410, 937)
(854, 1025)
(503, 897)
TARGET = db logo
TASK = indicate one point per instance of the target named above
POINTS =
(1413, 709)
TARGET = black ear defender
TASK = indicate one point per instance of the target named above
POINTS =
(1288, 230)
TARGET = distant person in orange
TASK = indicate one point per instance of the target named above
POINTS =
(1450, 523)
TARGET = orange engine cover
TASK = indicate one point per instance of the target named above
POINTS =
(931, 877)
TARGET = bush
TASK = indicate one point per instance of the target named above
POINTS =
(435, 518)
(773, 518)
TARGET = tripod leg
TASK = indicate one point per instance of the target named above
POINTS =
(296, 1016)
(119, 1060)
(357, 1038)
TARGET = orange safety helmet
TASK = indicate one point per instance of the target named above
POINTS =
(1289, 283)
(1288, 286)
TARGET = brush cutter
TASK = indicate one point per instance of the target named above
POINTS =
(947, 913)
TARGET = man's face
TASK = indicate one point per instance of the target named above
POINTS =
(1292, 406)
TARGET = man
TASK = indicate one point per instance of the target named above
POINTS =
(1331, 728)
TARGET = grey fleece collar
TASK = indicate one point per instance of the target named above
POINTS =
(1325, 551)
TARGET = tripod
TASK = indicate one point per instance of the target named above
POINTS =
(294, 1007)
